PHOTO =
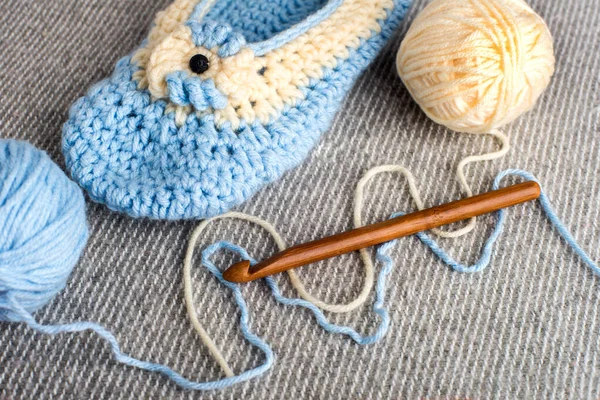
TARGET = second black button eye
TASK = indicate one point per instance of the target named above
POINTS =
(199, 63)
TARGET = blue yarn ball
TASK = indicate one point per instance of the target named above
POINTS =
(43, 229)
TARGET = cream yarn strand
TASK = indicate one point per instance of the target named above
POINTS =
(460, 175)
(189, 300)
(414, 190)
(358, 222)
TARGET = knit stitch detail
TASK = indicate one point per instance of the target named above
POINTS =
(185, 90)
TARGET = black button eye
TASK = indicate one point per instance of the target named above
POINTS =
(199, 63)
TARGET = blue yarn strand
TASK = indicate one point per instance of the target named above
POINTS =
(184, 383)
(382, 255)
(487, 249)
(320, 317)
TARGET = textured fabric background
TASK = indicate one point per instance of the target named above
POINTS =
(527, 327)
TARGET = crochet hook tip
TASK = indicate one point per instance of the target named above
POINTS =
(238, 272)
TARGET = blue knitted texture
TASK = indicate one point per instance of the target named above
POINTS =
(129, 153)
(282, 38)
(268, 17)
(21, 314)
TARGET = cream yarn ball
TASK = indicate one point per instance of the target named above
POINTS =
(475, 65)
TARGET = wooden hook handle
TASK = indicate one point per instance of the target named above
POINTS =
(385, 231)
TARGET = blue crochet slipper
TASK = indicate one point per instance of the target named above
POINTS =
(222, 98)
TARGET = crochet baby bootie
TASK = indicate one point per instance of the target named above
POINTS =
(220, 100)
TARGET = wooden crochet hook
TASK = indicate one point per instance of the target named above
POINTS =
(382, 232)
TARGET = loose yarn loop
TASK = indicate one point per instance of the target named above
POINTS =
(378, 306)
(381, 254)
(44, 228)
(476, 65)
(414, 191)
(357, 220)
